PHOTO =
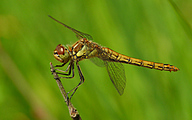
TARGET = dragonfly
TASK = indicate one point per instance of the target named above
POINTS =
(84, 48)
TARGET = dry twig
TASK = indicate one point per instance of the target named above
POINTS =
(72, 110)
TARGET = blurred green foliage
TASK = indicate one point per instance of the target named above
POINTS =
(155, 30)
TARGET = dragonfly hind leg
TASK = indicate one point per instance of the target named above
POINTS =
(81, 81)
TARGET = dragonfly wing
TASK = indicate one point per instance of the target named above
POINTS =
(97, 61)
(116, 73)
(78, 33)
(81, 34)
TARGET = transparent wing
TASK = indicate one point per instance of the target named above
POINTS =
(78, 33)
(97, 61)
(116, 73)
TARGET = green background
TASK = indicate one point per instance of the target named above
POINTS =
(155, 30)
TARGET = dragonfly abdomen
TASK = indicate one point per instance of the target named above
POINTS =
(148, 64)
(116, 57)
(151, 65)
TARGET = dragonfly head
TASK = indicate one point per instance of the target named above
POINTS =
(61, 54)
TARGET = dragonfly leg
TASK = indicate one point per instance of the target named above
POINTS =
(81, 81)
(71, 66)
(68, 68)
(60, 65)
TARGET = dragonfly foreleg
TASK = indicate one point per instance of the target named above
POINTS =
(81, 81)
(60, 65)
(71, 66)
(68, 67)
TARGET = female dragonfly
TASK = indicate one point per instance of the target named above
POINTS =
(101, 56)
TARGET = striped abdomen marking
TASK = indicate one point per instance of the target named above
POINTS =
(116, 57)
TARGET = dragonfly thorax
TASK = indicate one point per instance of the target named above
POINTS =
(61, 54)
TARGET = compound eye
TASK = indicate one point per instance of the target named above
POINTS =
(59, 49)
